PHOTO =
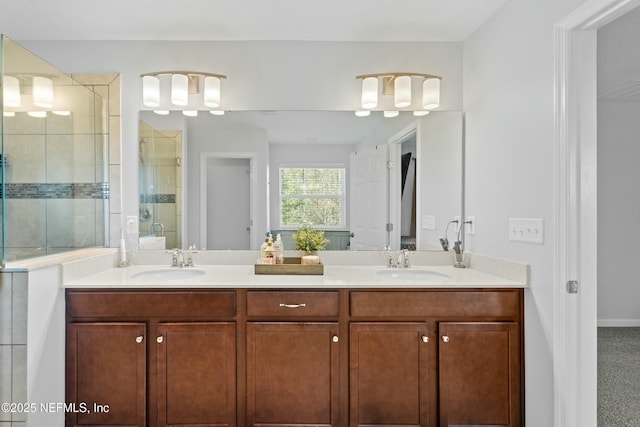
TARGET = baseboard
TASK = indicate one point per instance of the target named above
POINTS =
(617, 323)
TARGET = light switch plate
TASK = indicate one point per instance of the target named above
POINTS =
(471, 228)
(428, 222)
(529, 230)
(132, 225)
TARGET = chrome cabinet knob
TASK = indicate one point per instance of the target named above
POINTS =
(445, 338)
(425, 338)
(139, 339)
(335, 338)
(160, 339)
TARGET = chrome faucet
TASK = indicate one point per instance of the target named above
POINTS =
(399, 260)
(458, 255)
(403, 259)
(391, 260)
(192, 250)
(177, 258)
(152, 228)
(457, 248)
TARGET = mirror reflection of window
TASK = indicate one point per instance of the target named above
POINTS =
(312, 196)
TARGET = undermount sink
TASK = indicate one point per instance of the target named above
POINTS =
(168, 274)
(412, 274)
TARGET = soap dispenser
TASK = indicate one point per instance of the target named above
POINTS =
(279, 249)
(263, 247)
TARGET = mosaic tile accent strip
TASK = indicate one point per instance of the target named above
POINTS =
(157, 198)
(85, 190)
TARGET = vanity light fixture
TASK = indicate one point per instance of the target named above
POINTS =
(391, 113)
(369, 92)
(179, 90)
(42, 92)
(420, 113)
(183, 84)
(37, 114)
(151, 91)
(399, 85)
(11, 91)
(363, 113)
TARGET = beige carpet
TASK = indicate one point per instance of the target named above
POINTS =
(618, 377)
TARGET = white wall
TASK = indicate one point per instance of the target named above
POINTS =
(304, 155)
(440, 166)
(618, 213)
(46, 344)
(508, 103)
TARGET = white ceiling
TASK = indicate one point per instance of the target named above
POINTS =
(312, 20)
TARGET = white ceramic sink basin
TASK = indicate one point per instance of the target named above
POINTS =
(412, 274)
(168, 274)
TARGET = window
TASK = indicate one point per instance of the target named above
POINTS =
(312, 196)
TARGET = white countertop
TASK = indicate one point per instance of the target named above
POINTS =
(335, 276)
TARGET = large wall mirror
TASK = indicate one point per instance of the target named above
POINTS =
(222, 182)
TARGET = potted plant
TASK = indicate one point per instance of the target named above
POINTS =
(308, 241)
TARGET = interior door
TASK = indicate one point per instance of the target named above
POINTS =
(369, 198)
(228, 203)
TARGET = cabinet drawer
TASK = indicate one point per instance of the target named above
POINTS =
(151, 304)
(292, 304)
(500, 304)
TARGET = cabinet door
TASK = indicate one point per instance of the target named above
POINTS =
(392, 374)
(106, 371)
(292, 374)
(196, 374)
(480, 374)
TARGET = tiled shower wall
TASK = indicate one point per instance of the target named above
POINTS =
(161, 184)
(13, 345)
(108, 87)
(52, 205)
(13, 285)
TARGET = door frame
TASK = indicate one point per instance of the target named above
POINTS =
(204, 158)
(575, 210)
(395, 184)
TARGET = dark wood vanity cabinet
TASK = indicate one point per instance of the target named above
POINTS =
(479, 369)
(155, 358)
(436, 358)
(411, 357)
(106, 366)
(393, 376)
(292, 374)
(196, 374)
(292, 358)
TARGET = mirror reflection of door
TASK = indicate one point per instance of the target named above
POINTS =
(369, 198)
(228, 203)
(408, 194)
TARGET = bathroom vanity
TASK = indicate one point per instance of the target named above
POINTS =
(326, 351)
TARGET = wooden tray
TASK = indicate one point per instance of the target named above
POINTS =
(291, 266)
